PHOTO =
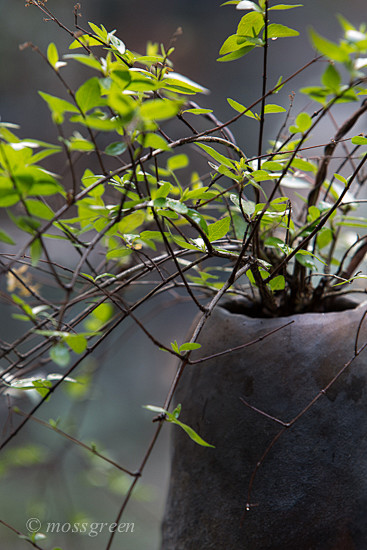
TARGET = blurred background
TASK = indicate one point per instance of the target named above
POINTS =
(41, 475)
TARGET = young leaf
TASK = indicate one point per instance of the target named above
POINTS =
(241, 108)
(36, 251)
(236, 54)
(276, 30)
(177, 162)
(175, 347)
(5, 238)
(60, 354)
(159, 109)
(190, 432)
(278, 283)
(115, 149)
(189, 346)
(331, 78)
(251, 24)
(217, 156)
(285, 6)
(58, 107)
(154, 141)
(303, 122)
(272, 108)
(219, 229)
(198, 111)
(172, 417)
(359, 140)
(76, 342)
(328, 48)
(52, 55)
(89, 95)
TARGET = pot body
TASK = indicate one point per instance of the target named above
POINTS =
(310, 492)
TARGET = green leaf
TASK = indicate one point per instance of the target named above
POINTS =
(233, 44)
(179, 83)
(154, 141)
(189, 346)
(42, 386)
(58, 107)
(304, 257)
(251, 24)
(76, 342)
(317, 93)
(217, 156)
(198, 111)
(86, 40)
(176, 412)
(130, 222)
(80, 144)
(5, 238)
(115, 149)
(176, 206)
(184, 244)
(163, 190)
(177, 162)
(304, 165)
(328, 48)
(60, 354)
(25, 307)
(303, 122)
(102, 313)
(36, 251)
(190, 432)
(39, 209)
(100, 32)
(272, 166)
(324, 237)
(278, 283)
(276, 30)
(173, 419)
(118, 253)
(241, 108)
(341, 178)
(219, 229)
(88, 60)
(121, 79)
(236, 54)
(331, 78)
(359, 140)
(272, 108)
(260, 175)
(88, 95)
(52, 55)
(175, 347)
(285, 6)
(159, 109)
(275, 242)
(142, 81)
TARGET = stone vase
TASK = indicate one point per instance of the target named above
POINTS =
(310, 491)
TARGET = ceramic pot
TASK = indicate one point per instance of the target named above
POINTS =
(310, 492)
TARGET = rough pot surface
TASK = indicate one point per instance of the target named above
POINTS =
(310, 493)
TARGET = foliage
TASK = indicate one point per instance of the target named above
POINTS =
(138, 213)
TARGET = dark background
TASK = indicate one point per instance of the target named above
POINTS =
(205, 26)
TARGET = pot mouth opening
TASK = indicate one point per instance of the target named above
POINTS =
(243, 306)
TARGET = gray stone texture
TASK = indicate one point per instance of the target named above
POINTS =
(310, 493)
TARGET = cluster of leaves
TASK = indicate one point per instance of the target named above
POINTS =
(137, 210)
